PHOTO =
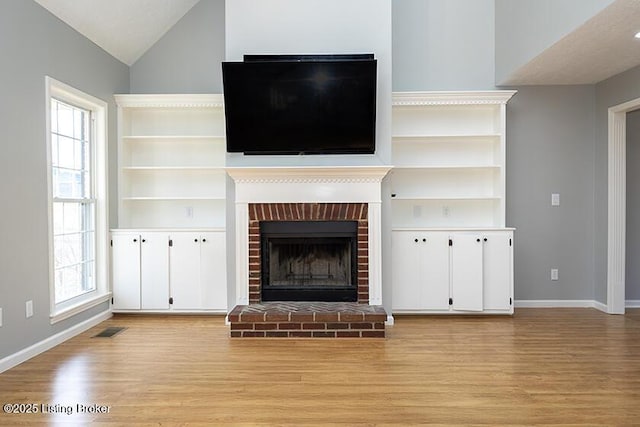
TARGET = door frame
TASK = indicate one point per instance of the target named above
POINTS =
(616, 205)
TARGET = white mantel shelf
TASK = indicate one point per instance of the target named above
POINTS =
(308, 173)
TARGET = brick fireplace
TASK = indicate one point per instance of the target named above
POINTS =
(302, 212)
(307, 194)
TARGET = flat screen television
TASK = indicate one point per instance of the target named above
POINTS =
(300, 104)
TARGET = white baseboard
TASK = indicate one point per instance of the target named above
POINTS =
(548, 303)
(389, 321)
(570, 304)
(52, 341)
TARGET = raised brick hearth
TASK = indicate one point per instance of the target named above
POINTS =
(307, 320)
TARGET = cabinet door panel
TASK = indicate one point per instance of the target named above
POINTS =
(213, 268)
(497, 271)
(125, 259)
(434, 271)
(185, 271)
(406, 285)
(154, 250)
(466, 272)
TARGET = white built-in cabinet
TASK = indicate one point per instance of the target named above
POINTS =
(171, 188)
(451, 249)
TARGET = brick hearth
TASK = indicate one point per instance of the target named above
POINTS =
(307, 320)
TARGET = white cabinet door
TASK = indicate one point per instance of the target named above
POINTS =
(466, 272)
(406, 258)
(498, 271)
(154, 262)
(420, 270)
(213, 268)
(434, 270)
(125, 259)
(185, 271)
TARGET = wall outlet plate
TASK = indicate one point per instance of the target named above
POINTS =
(29, 308)
(0, 317)
(555, 199)
(554, 274)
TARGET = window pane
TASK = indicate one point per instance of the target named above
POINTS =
(65, 120)
(73, 222)
(66, 153)
(58, 218)
(68, 184)
(54, 115)
(72, 217)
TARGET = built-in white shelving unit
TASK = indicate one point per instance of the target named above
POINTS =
(169, 252)
(171, 161)
(452, 251)
(449, 159)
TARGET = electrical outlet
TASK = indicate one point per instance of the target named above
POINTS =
(0, 318)
(555, 199)
(189, 211)
(554, 274)
(446, 211)
(29, 308)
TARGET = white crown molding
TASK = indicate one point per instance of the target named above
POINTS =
(170, 100)
(492, 97)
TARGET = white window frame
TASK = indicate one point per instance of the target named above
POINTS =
(98, 108)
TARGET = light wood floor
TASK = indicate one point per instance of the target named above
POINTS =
(541, 366)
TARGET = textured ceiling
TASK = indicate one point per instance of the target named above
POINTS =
(124, 28)
(602, 47)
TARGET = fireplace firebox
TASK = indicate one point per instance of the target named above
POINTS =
(309, 260)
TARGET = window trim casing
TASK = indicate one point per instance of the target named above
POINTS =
(73, 306)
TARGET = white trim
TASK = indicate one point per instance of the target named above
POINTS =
(79, 308)
(390, 320)
(559, 304)
(52, 341)
(193, 100)
(66, 93)
(491, 97)
(616, 204)
(633, 303)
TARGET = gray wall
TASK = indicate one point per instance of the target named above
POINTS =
(33, 43)
(443, 45)
(187, 58)
(613, 91)
(632, 291)
(550, 149)
(524, 28)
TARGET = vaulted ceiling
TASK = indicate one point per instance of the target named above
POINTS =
(600, 48)
(124, 28)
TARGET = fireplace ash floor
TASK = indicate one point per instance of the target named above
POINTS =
(307, 320)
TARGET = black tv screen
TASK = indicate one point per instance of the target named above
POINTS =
(294, 105)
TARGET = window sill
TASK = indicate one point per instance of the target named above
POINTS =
(67, 312)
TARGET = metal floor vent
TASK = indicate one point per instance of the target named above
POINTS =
(109, 332)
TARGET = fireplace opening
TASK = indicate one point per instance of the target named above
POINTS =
(309, 260)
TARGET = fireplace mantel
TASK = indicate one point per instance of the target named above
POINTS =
(304, 184)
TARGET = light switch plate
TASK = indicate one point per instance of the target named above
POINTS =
(554, 274)
(29, 308)
(555, 199)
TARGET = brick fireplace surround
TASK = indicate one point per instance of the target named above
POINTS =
(307, 212)
(350, 193)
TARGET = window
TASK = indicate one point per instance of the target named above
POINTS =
(76, 147)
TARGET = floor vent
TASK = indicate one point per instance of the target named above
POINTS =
(109, 332)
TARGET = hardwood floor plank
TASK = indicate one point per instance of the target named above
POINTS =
(541, 366)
